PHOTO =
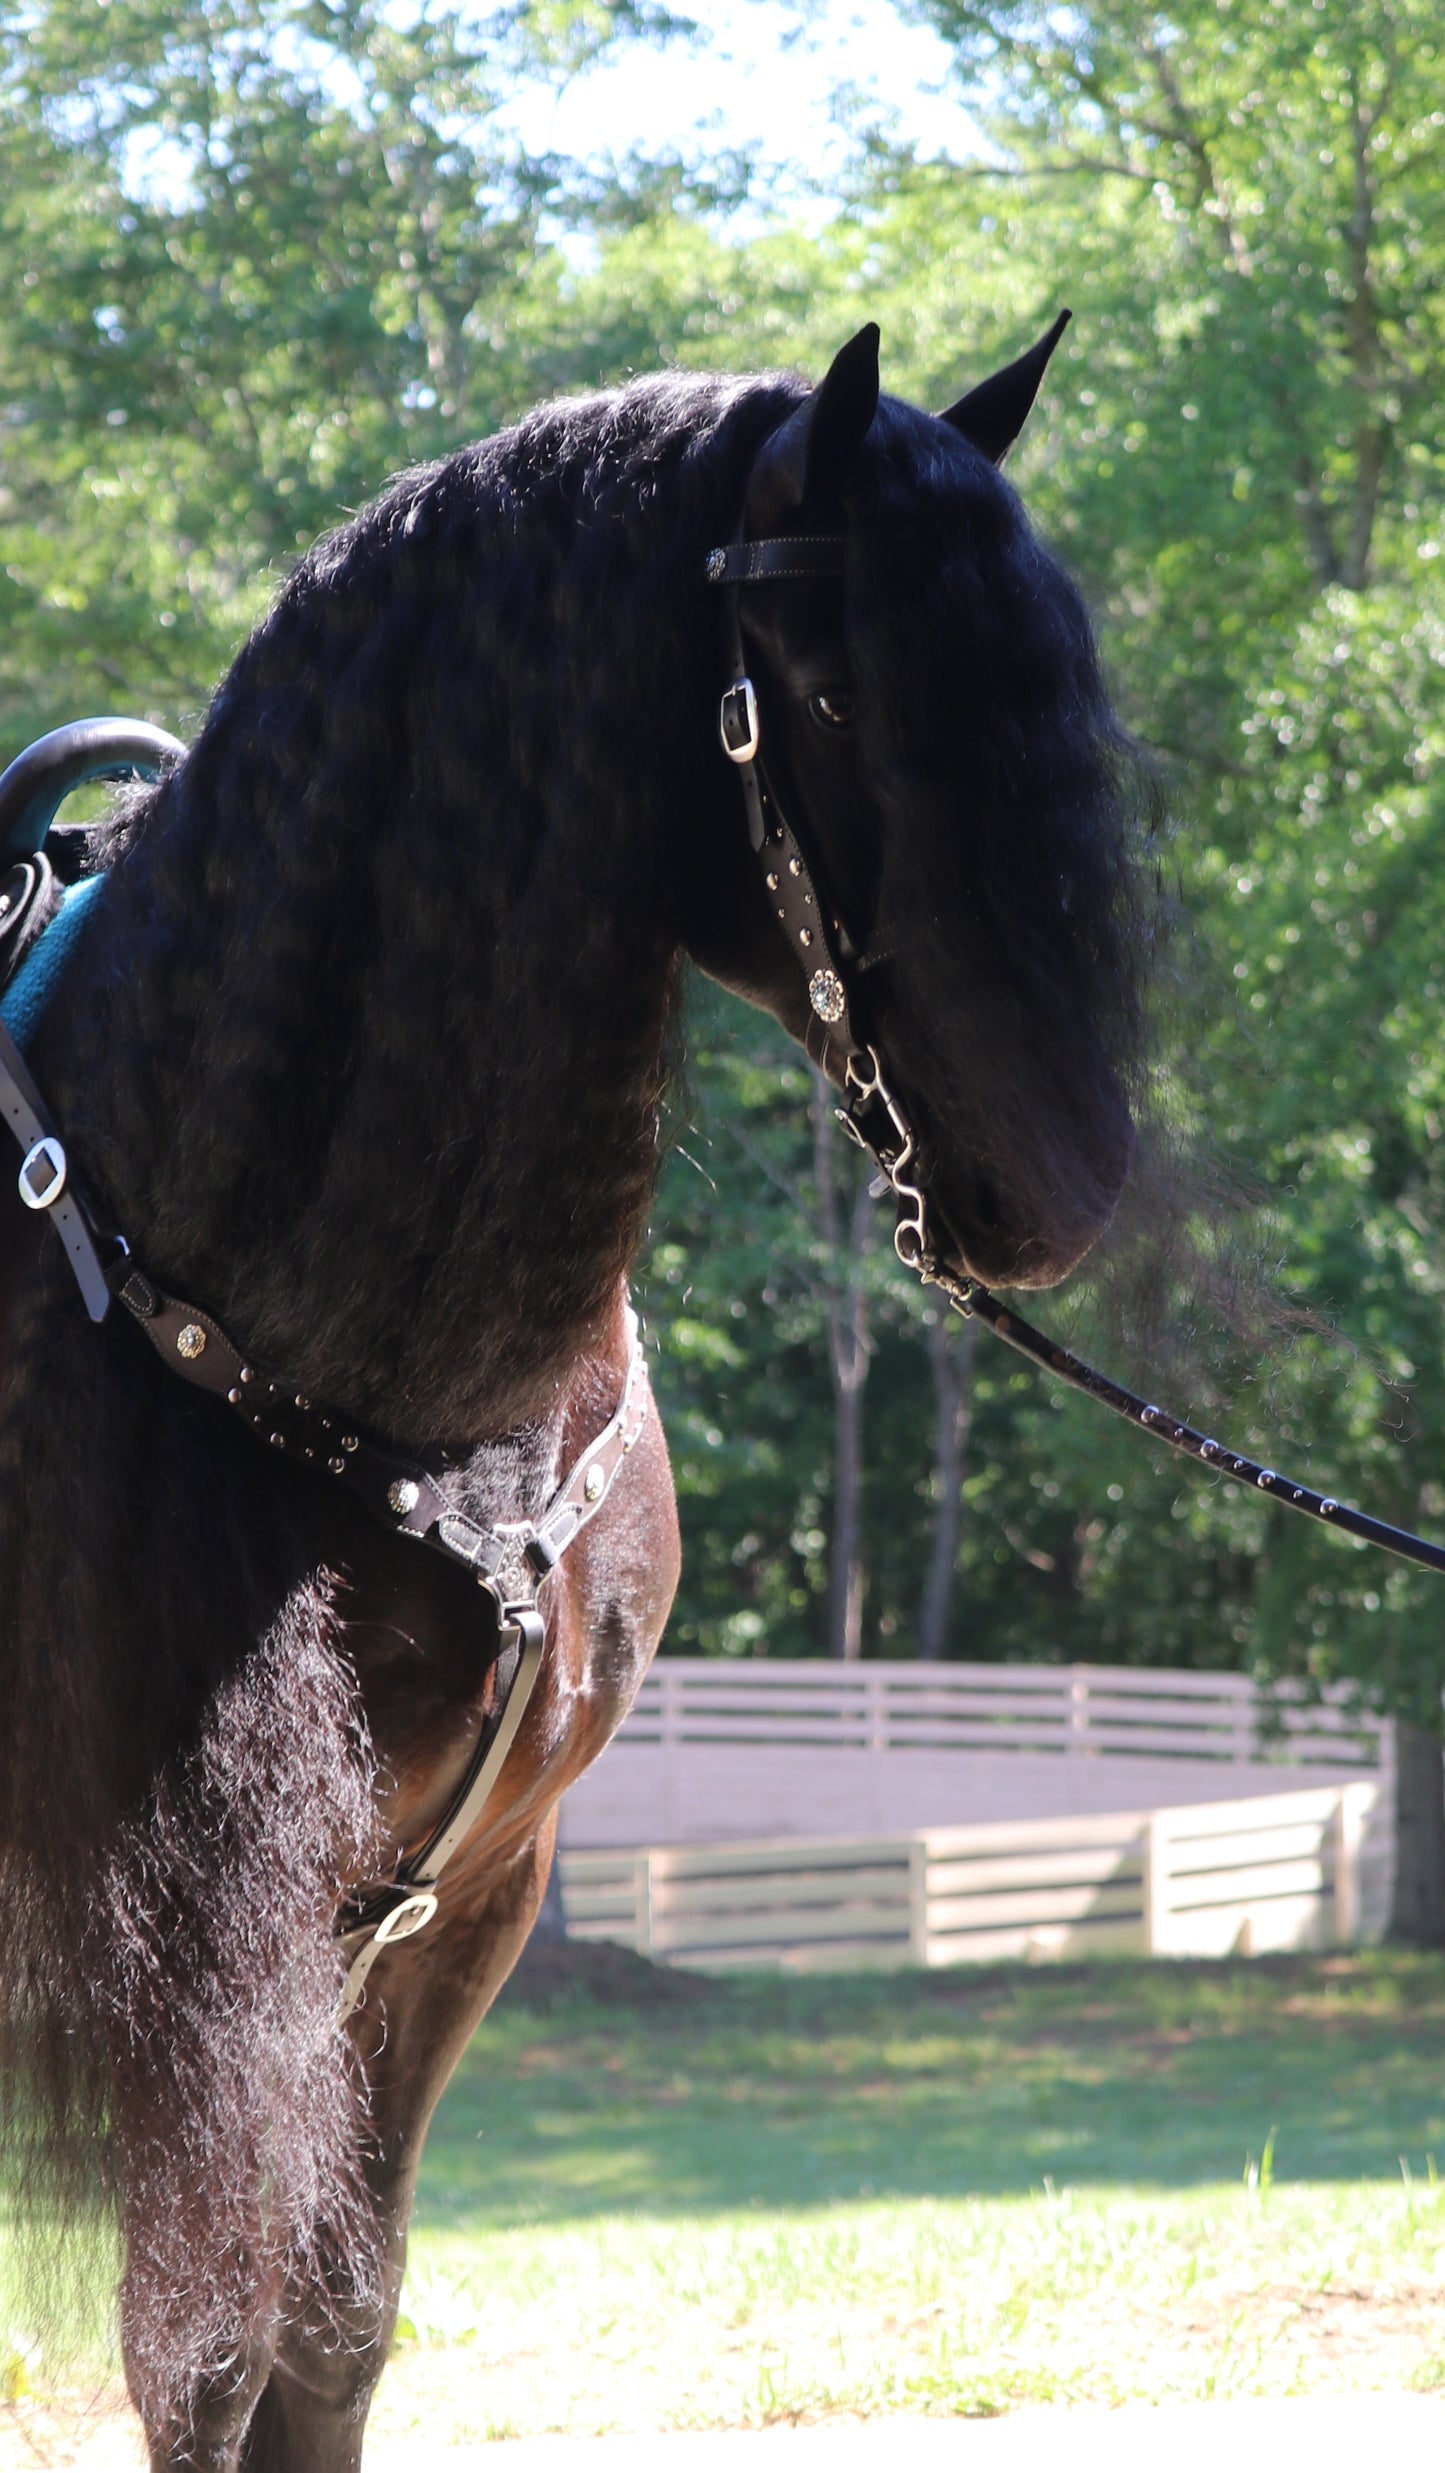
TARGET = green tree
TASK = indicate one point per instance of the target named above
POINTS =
(254, 256)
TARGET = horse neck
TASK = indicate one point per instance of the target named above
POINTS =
(407, 1164)
(368, 1040)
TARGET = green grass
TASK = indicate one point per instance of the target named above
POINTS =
(769, 2197)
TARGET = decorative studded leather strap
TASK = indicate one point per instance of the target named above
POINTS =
(510, 1558)
(820, 940)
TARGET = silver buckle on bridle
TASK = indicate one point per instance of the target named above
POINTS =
(738, 722)
(42, 1173)
(410, 1916)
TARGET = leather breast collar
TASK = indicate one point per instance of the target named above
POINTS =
(408, 1496)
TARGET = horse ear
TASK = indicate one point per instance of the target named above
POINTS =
(994, 413)
(806, 460)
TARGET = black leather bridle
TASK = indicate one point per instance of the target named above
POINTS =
(872, 1112)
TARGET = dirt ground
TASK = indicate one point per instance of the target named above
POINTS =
(1335, 2434)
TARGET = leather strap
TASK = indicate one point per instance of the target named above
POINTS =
(758, 562)
(510, 1558)
(820, 940)
(45, 1175)
(409, 1902)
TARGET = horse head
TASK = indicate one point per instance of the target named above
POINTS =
(934, 729)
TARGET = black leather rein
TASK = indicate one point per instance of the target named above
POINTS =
(872, 1113)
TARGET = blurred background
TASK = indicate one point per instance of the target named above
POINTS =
(257, 254)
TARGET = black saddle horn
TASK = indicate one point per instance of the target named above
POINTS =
(42, 778)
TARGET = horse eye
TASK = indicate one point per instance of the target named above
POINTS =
(834, 711)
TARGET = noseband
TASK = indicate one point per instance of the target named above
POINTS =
(871, 1111)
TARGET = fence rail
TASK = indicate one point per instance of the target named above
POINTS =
(1267, 1872)
(1070, 1710)
(716, 1750)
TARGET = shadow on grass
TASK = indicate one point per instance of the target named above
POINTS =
(612, 2086)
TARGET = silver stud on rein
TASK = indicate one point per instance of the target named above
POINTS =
(235, 1397)
(805, 935)
(594, 1482)
(825, 995)
(336, 1467)
(795, 867)
(403, 1494)
(191, 1341)
(349, 1442)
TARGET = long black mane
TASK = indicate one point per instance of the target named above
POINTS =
(364, 1046)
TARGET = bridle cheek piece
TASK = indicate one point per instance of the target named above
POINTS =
(873, 1114)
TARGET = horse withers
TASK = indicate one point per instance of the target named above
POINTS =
(361, 1043)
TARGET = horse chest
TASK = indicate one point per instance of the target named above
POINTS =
(421, 1644)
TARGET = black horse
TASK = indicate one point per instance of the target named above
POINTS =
(362, 1042)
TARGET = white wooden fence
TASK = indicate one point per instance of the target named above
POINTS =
(1284, 1871)
(716, 1749)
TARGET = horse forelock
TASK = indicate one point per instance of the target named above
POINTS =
(1014, 890)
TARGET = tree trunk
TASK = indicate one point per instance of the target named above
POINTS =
(1419, 1911)
(951, 1345)
(848, 1355)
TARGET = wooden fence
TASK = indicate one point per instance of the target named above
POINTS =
(1284, 1871)
(716, 1749)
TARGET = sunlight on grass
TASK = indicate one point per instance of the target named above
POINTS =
(674, 2204)
(764, 2201)
(955, 2307)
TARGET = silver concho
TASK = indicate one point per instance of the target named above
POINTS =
(191, 1341)
(825, 995)
(513, 1578)
(403, 1495)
